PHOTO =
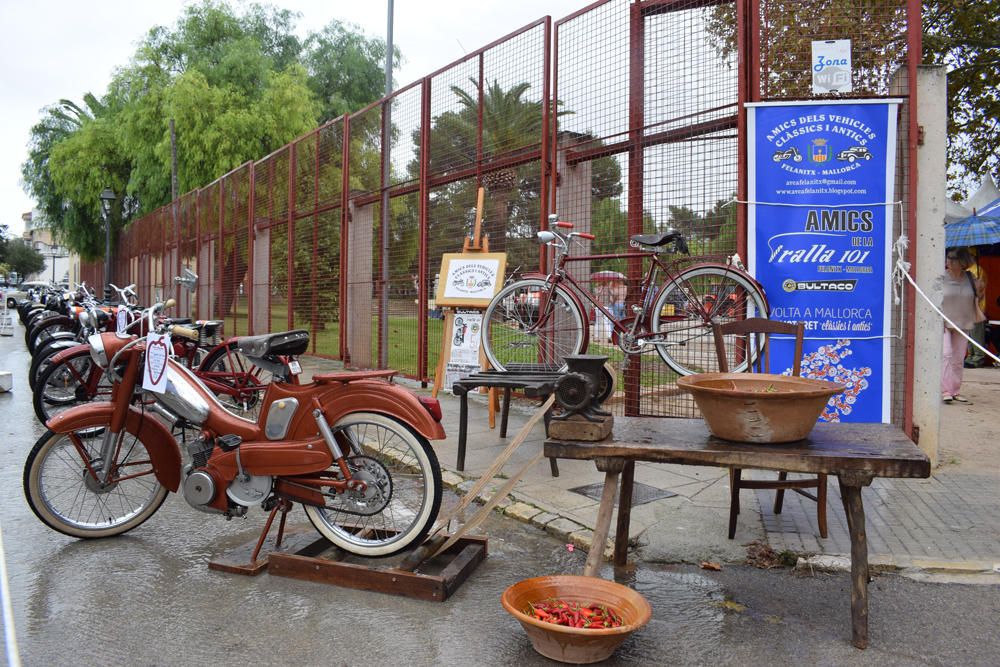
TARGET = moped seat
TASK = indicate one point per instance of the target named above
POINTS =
(290, 343)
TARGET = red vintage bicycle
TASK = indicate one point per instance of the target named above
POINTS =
(534, 322)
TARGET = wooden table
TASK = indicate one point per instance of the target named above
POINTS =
(855, 453)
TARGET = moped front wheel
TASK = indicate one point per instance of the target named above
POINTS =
(403, 494)
(62, 486)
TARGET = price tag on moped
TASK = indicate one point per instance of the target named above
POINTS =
(154, 374)
(121, 322)
(294, 367)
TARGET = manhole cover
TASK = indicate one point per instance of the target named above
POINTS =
(641, 493)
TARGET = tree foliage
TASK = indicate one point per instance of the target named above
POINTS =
(963, 35)
(19, 256)
(237, 85)
(511, 127)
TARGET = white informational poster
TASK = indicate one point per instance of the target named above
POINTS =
(455, 372)
(472, 278)
(466, 334)
(831, 66)
(154, 374)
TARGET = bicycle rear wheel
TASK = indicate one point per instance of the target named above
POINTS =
(685, 309)
(245, 383)
(519, 336)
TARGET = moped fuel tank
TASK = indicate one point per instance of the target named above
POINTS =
(181, 395)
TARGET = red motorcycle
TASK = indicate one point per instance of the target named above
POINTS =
(352, 448)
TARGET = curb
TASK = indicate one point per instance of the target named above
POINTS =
(973, 571)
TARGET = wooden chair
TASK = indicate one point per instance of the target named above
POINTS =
(748, 333)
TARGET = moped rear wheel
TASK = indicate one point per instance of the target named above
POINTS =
(404, 488)
(62, 490)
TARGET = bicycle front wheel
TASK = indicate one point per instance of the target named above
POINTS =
(531, 326)
(685, 308)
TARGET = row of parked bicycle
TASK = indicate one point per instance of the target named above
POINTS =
(226, 423)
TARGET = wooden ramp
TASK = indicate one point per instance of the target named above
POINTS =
(310, 557)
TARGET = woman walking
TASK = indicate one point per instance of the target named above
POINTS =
(958, 304)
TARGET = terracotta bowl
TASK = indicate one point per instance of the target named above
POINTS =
(576, 645)
(759, 407)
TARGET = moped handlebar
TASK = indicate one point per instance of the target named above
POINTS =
(184, 332)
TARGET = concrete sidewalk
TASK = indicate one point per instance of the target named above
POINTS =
(947, 524)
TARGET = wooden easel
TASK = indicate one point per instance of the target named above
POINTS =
(477, 243)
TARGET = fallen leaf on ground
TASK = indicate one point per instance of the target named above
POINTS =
(707, 565)
(762, 556)
(731, 605)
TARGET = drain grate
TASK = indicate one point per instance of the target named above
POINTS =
(641, 493)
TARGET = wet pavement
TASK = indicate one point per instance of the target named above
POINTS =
(148, 598)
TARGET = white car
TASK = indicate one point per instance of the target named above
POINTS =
(14, 295)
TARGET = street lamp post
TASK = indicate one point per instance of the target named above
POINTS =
(107, 198)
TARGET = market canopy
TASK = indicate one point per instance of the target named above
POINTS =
(991, 210)
(972, 231)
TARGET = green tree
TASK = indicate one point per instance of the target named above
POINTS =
(21, 257)
(511, 125)
(238, 85)
(344, 69)
(73, 155)
(963, 35)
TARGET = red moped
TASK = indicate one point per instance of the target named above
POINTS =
(352, 448)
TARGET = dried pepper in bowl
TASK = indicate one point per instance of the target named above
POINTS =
(574, 615)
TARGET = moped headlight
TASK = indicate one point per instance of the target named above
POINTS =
(85, 320)
(97, 352)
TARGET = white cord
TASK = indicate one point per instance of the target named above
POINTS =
(813, 205)
(902, 270)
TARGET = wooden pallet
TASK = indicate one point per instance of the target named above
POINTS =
(306, 556)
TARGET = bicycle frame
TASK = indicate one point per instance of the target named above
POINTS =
(630, 324)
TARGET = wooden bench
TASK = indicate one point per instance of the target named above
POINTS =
(533, 383)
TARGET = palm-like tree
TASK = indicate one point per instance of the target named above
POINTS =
(510, 125)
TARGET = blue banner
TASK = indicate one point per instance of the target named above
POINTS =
(820, 221)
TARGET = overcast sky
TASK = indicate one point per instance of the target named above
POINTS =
(54, 49)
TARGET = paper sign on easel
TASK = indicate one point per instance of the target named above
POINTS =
(154, 374)
(466, 333)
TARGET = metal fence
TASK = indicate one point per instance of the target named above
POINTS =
(624, 117)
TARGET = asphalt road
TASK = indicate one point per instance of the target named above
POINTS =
(148, 598)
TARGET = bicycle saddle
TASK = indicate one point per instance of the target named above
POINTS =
(656, 239)
(660, 239)
(290, 343)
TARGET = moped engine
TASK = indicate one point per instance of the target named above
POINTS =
(199, 486)
(249, 490)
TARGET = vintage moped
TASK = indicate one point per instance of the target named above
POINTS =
(351, 447)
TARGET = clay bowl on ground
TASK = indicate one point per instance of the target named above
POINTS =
(576, 645)
(759, 407)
